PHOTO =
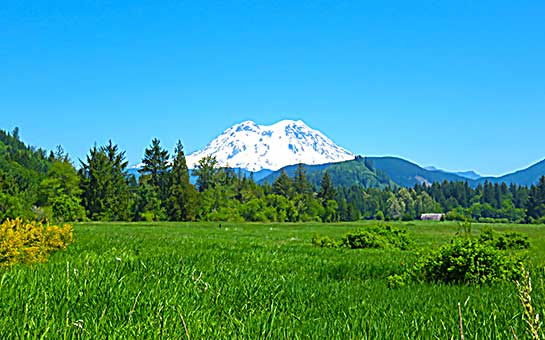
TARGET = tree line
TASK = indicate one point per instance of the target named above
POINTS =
(35, 184)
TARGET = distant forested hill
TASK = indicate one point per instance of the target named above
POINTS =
(526, 177)
(371, 172)
(22, 168)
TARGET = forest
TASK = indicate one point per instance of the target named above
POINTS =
(37, 184)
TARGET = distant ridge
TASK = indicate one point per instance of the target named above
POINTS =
(527, 176)
(466, 174)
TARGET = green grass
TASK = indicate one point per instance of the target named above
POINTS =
(127, 280)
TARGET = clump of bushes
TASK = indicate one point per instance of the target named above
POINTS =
(463, 261)
(31, 242)
(381, 236)
(504, 241)
(325, 242)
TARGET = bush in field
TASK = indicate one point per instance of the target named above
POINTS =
(22, 242)
(504, 241)
(381, 236)
(325, 242)
(463, 261)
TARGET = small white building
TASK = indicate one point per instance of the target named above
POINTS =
(432, 217)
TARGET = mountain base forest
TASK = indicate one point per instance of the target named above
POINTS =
(36, 185)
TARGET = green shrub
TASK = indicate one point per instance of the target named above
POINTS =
(381, 236)
(510, 240)
(364, 239)
(464, 261)
(324, 242)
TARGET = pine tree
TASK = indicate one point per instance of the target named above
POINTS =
(327, 190)
(207, 173)
(536, 200)
(155, 170)
(283, 185)
(182, 201)
(301, 183)
(103, 181)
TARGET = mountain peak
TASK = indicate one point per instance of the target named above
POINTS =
(254, 147)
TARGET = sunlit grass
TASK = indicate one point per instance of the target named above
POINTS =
(249, 281)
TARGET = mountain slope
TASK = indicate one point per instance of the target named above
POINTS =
(372, 172)
(407, 174)
(527, 177)
(466, 174)
(256, 147)
(346, 174)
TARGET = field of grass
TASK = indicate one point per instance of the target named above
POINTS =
(197, 280)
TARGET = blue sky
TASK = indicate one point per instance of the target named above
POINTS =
(455, 84)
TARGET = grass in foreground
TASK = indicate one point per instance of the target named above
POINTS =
(249, 281)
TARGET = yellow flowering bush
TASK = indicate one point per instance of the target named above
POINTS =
(30, 242)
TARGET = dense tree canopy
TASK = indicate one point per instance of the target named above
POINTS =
(34, 184)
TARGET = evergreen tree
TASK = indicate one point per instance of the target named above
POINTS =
(155, 170)
(536, 201)
(207, 173)
(283, 185)
(327, 190)
(103, 181)
(183, 196)
(301, 183)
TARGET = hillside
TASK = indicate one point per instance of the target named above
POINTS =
(527, 177)
(375, 172)
(407, 174)
(346, 174)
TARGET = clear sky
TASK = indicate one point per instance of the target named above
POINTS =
(455, 84)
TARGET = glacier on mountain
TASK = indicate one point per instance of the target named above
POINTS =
(256, 147)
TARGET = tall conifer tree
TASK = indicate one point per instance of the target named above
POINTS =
(182, 201)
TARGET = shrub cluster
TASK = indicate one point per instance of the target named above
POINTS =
(462, 261)
(30, 242)
(504, 241)
(380, 236)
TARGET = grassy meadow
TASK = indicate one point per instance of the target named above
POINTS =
(203, 281)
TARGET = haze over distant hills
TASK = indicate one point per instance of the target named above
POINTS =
(470, 174)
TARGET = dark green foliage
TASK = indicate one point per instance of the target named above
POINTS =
(30, 182)
(183, 196)
(536, 202)
(343, 174)
(465, 261)
(155, 170)
(283, 185)
(348, 191)
(104, 184)
(147, 205)
(206, 173)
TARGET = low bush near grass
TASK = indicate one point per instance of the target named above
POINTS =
(463, 261)
(380, 236)
(30, 242)
(506, 240)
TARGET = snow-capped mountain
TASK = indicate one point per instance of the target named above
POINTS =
(256, 147)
